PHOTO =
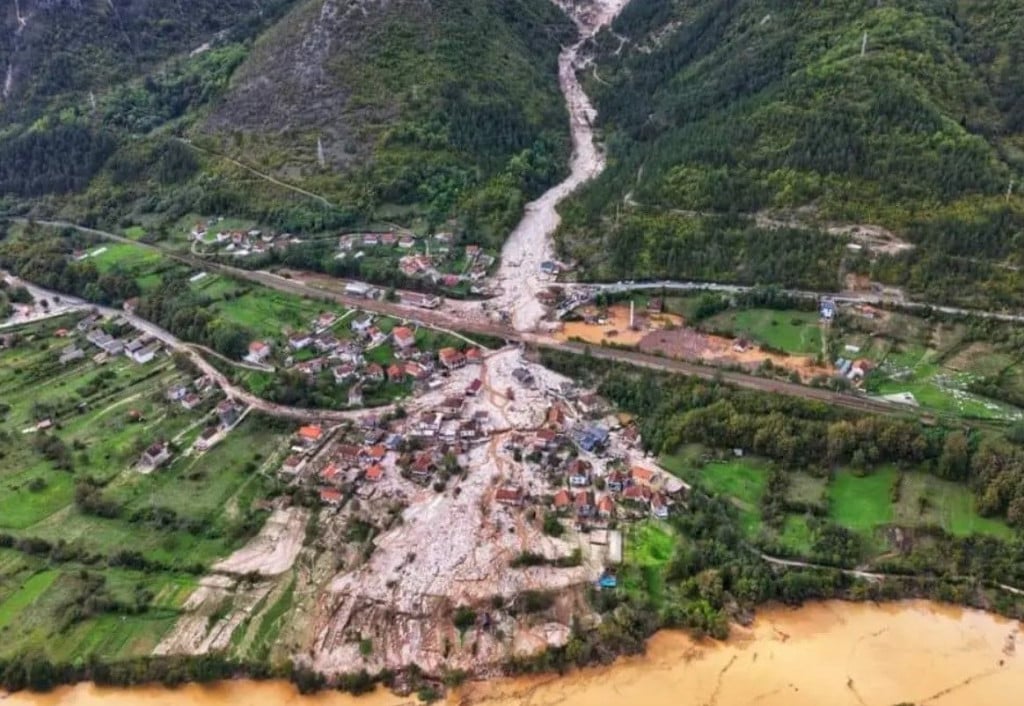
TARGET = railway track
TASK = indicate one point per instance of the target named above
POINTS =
(460, 322)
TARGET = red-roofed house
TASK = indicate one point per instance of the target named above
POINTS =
(451, 358)
(396, 373)
(583, 501)
(509, 496)
(259, 351)
(474, 355)
(293, 464)
(606, 506)
(310, 434)
(374, 373)
(330, 496)
(404, 337)
(643, 476)
(562, 499)
(416, 371)
(423, 465)
(637, 492)
(374, 473)
(349, 453)
(376, 453)
(579, 472)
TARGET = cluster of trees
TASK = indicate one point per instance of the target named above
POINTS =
(11, 295)
(175, 306)
(644, 244)
(997, 472)
(37, 672)
(48, 262)
(56, 159)
(139, 108)
(70, 48)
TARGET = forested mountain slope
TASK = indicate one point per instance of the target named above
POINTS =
(395, 108)
(906, 115)
(451, 106)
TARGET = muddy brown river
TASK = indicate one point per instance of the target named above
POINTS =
(830, 653)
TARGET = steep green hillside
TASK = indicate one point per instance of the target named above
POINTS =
(429, 108)
(719, 110)
(409, 110)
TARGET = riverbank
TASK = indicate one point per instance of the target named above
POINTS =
(843, 654)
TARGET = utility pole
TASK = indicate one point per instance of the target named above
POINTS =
(1009, 189)
(864, 44)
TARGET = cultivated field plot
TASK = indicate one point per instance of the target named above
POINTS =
(807, 490)
(100, 418)
(866, 503)
(796, 332)
(267, 312)
(104, 556)
(47, 612)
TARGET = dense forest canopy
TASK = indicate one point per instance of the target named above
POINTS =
(904, 115)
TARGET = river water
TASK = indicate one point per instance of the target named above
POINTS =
(824, 654)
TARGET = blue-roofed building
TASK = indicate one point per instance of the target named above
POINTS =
(592, 438)
(827, 309)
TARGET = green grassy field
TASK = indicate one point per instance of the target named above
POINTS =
(796, 332)
(267, 313)
(796, 535)
(131, 258)
(862, 503)
(926, 500)
(742, 479)
(648, 547)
